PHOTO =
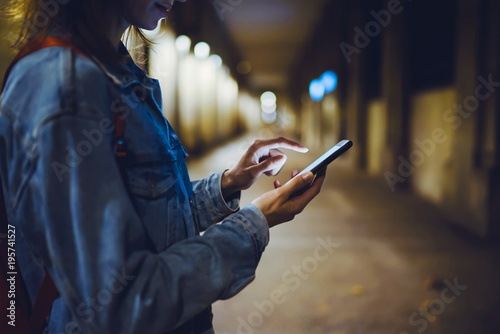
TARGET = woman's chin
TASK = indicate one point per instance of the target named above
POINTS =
(153, 25)
(147, 25)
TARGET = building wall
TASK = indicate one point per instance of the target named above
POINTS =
(415, 133)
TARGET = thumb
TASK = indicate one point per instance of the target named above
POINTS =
(297, 183)
(270, 164)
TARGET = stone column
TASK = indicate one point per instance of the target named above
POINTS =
(395, 89)
(355, 109)
(473, 198)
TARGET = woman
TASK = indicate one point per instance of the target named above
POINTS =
(120, 239)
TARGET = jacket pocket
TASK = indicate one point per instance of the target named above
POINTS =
(152, 177)
(155, 187)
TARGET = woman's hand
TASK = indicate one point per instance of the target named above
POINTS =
(263, 156)
(283, 203)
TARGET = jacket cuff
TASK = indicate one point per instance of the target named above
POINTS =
(255, 223)
(221, 208)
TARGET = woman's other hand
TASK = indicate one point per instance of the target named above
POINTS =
(285, 202)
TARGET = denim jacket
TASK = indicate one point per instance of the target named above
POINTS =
(122, 245)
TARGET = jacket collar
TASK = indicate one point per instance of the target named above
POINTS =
(126, 73)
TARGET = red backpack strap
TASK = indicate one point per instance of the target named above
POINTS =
(38, 45)
(118, 138)
(45, 297)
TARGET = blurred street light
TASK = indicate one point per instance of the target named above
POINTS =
(268, 99)
(202, 50)
(216, 60)
(183, 44)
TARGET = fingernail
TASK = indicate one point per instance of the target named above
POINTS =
(307, 176)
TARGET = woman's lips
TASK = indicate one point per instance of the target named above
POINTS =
(163, 7)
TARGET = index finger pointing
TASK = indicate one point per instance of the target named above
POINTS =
(283, 143)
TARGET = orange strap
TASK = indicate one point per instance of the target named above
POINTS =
(38, 45)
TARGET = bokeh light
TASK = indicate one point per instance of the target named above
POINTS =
(317, 90)
(244, 67)
(216, 60)
(268, 99)
(183, 44)
(202, 50)
(329, 80)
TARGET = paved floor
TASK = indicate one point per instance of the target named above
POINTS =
(361, 259)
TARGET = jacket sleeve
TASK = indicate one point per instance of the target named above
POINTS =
(91, 240)
(210, 204)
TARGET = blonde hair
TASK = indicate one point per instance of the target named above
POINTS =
(86, 23)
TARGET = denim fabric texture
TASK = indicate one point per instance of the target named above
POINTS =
(124, 250)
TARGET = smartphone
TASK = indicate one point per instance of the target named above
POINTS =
(328, 157)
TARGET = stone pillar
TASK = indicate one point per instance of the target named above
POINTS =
(474, 189)
(490, 157)
(395, 91)
(355, 109)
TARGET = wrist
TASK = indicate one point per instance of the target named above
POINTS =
(228, 187)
